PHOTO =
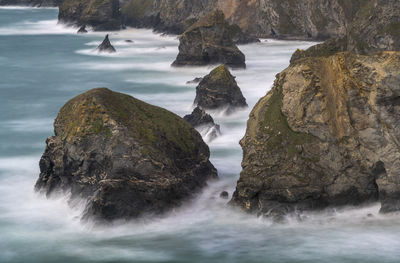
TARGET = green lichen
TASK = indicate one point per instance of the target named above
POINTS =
(275, 124)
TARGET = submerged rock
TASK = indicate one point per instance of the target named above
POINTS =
(82, 30)
(224, 195)
(209, 41)
(219, 90)
(106, 46)
(125, 157)
(203, 121)
(326, 135)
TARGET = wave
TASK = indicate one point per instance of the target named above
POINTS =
(44, 27)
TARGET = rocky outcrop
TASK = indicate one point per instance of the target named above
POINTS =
(125, 157)
(82, 30)
(204, 122)
(106, 46)
(219, 90)
(209, 41)
(36, 3)
(102, 15)
(306, 19)
(376, 28)
(327, 134)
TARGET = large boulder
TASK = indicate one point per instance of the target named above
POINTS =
(101, 15)
(327, 134)
(209, 41)
(125, 157)
(219, 90)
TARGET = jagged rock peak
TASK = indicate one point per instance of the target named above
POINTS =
(219, 90)
(106, 46)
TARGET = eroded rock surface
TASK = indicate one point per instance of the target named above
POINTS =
(125, 157)
(219, 90)
(327, 134)
(204, 122)
(209, 41)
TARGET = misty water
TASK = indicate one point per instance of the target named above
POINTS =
(42, 65)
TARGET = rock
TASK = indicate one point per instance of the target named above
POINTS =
(209, 41)
(194, 81)
(126, 158)
(106, 46)
(306, 19)
(204, 123)
(101, 15)
(219, 90)
(224, 195)
(129, 41)
(326, 135)
(82, 30)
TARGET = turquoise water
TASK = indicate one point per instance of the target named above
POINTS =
(43, 64)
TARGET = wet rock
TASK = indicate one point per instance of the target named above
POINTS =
(209, 41)
(326, 135)
(106, 46)
(126, 158)
(194, 81)
(224, 195)
(82, 30)
(101, 15)
(129, 41)
(204, 123)
(219, 90)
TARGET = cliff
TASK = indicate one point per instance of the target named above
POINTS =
(124, 157)
(327, 134)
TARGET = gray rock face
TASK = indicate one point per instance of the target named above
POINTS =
(209, 41)
(203, 121)
(327, 134)
(101, 15)
(219, 90)
(306, 19)
(106, 46)
(124, 157)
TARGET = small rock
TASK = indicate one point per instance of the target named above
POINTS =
(203, 121)
(129, 41)
(194, 81)
(224, 195)
(219, 90)
(82, 30)
(106, 46)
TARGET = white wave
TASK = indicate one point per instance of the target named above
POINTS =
(10, 7)
(44, 27)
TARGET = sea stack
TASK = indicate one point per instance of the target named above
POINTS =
(209, 41)
(219, 90)
(106, 46)
(326, 135)
(125, 157)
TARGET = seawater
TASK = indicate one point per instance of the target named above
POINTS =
(44, 64)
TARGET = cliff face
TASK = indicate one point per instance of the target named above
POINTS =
(125, 157)
(100, 14)
(326, 134)
(263, 18)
